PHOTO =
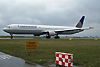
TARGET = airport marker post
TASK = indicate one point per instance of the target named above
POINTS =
(64, 59)
(31, 45)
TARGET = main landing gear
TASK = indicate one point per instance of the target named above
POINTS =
(47, 35)
(11, 36)
(56, 37)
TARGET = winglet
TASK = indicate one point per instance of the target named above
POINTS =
(80, 23)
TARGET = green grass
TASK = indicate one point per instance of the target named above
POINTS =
(86, 52)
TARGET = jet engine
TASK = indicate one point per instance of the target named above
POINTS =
(51, 33)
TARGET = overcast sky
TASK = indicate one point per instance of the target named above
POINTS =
(51, 12)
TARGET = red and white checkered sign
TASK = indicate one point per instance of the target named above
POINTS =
(64, 59)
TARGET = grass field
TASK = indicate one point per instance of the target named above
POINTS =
(86, 52)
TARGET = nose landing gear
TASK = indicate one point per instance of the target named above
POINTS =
(11, 36)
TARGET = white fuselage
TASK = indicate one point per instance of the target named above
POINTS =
(36, 29)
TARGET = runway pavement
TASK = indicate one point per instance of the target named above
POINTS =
(16, 38)
(10, 61)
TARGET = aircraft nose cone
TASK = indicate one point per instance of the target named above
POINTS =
(4, 29)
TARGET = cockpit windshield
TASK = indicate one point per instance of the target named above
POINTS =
(7, 26)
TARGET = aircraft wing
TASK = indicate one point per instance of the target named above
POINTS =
(73, 30)
(67, 30)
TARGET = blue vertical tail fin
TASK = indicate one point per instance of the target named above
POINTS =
(80, 23)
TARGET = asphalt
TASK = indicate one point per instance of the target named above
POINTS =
(10, 61)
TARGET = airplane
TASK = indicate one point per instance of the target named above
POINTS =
(38, 30)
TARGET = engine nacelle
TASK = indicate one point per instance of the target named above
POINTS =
(52, 33)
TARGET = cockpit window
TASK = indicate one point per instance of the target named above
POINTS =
(8, 26)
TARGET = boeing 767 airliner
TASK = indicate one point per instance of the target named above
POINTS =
(38, 30)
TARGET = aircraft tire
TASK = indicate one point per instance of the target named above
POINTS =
(56, 37)
(48, 37)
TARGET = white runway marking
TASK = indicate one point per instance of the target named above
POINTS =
(3, 57)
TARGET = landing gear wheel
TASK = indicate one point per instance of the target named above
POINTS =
(48, 37)
(56, 37)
